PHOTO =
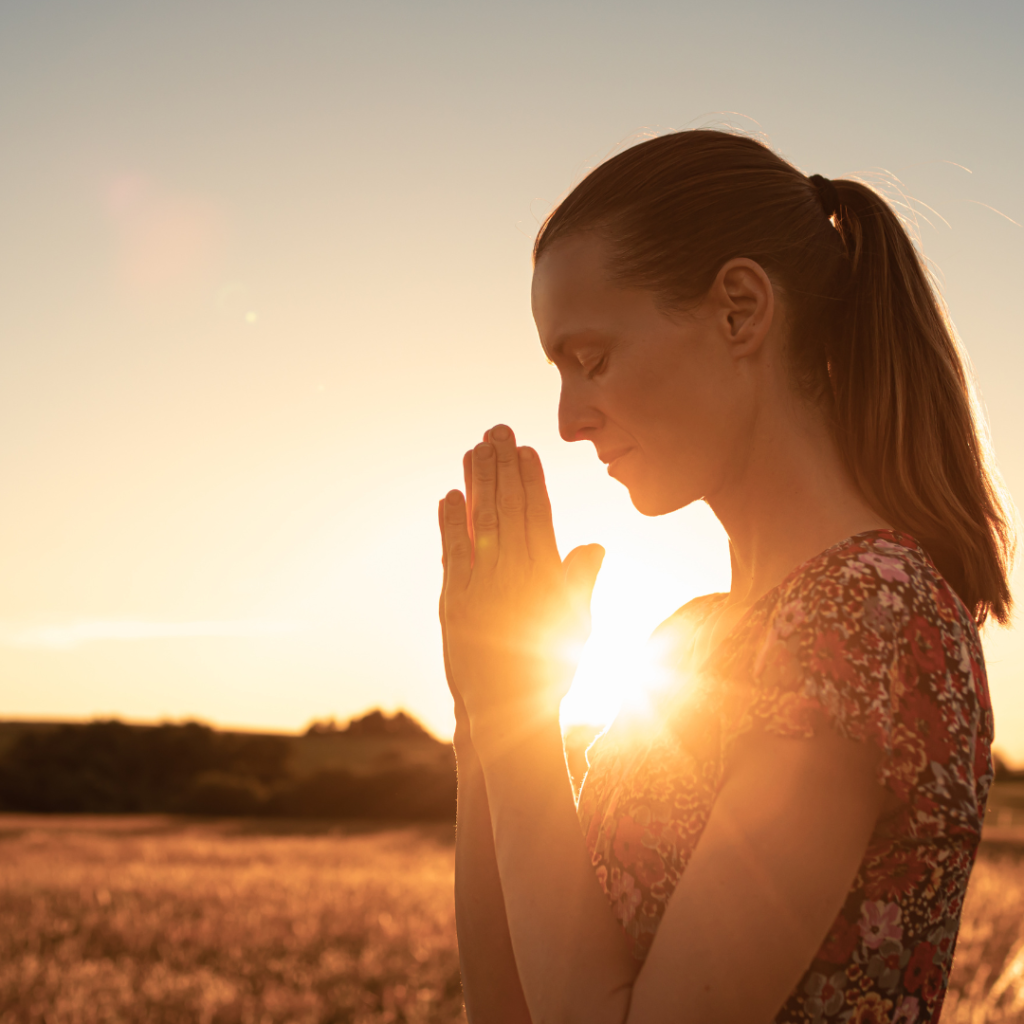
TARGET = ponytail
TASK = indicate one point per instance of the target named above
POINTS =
(869, 340)
(905, 418)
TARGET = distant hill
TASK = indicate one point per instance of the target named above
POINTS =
(1004, 773)
(378, 766)
(376, 723)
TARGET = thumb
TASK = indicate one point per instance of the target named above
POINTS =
(581, 567)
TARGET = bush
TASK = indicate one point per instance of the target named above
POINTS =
(412, 794)
(113, 768)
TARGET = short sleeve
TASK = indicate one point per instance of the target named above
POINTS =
(870, 642)
(813, 668)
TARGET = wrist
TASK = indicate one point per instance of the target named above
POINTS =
(462, 741)
(504, 731)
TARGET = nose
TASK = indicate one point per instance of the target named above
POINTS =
(577, 418)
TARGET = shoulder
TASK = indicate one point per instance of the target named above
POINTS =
(876, 584)
(870, 603)
(676, 633)
(693, 611)
(869, 635)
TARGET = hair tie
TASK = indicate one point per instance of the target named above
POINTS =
(827, 194)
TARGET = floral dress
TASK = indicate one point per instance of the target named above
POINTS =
(866, 639)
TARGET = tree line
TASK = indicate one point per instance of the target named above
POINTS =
(110, 767)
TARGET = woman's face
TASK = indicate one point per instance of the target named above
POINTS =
(663, 398)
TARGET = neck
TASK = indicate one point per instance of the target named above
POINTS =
(790, 499)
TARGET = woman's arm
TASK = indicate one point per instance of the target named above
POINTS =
(572, 955)
(771, 872)
(490, 981)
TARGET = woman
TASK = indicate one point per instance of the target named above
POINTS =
(790, 837)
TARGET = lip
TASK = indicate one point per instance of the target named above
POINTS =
(613, 456)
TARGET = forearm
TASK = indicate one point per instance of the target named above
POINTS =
(571, 953)
(490, 980)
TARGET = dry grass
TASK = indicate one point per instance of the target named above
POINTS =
(133, 920)
(163, 923)
(987, 984)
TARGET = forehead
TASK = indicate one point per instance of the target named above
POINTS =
(575, 296)
(572, 268)
(572, 290)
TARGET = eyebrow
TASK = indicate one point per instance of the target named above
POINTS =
(559, 347)
(557, 350)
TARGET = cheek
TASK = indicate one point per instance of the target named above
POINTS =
(675, 409)
(688, 424)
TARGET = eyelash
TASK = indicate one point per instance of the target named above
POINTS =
(595, 369)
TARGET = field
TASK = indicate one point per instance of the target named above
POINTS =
(160, 920)
(151, 920)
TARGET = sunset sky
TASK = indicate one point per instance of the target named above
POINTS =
(264, 276)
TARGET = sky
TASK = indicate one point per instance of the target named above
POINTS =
(264, 276)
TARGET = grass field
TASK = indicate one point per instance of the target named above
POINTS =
(158, 920)
(146, 920)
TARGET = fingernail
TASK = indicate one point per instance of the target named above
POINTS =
(452, 497)
(526, 453)
(501, 432)
(483, 451)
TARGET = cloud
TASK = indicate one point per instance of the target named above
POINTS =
(74, 634)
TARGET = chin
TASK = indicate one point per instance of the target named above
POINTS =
(654, 493)
(658, 501)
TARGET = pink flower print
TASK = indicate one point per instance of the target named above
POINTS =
(907, 1011)
(889, 599)
(626, 897)
(852, 571)
(887, 545)
(628, 845)
(886, 567)
(788, 618)
(880, 921)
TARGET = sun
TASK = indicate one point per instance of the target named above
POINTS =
(619, 665)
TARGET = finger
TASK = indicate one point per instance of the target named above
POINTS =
(510, 499)
(440, 526)
(581, 567)
(467, 476)
(457, 547)
(460, 705)
(444, 587)
(540, 531)
(485, 516)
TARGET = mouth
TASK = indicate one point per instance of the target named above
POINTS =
(613, 456)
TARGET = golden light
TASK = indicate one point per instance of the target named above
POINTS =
(622, 666)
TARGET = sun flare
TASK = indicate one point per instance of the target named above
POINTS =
(621, 666)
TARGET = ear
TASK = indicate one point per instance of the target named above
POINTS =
(744, 301)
